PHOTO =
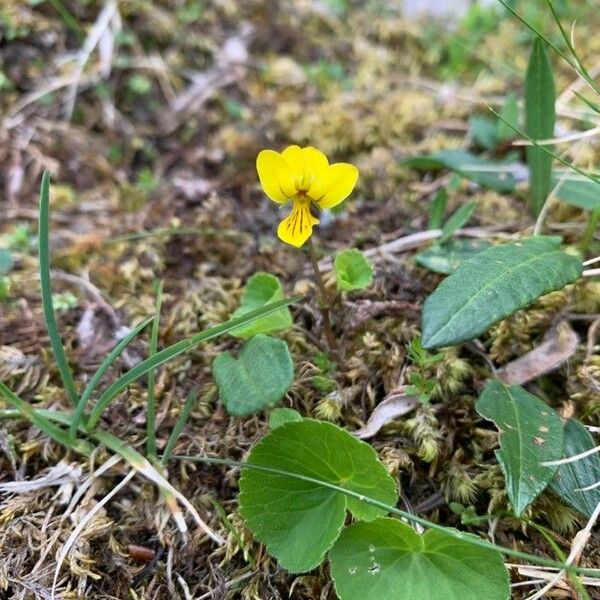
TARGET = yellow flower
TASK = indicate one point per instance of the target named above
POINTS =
(303, 175)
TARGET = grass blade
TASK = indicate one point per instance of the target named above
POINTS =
(104, 366)
(540, 117)
(167, 354)
(182, 419)
(43, 424)
(591, 176)
(151, 410)
(147, 470)
(48, 307)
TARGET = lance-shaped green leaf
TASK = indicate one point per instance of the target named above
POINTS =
(387, 559)
(493, 285)
(298, 520)
(530, 433)
(572, 477)
(487, 173)
(540, 116)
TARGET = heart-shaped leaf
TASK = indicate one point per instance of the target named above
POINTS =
(259, 378)
(261, 289)
(493, 285)
(571, 477)
(352, 270)
(386, 559)
(298, 520)
(281, 416)
(530, 433)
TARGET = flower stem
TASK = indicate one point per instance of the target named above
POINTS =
(322, 299)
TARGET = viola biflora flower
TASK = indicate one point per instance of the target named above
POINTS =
(302, 176)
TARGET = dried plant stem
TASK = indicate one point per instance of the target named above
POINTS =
(322, 299)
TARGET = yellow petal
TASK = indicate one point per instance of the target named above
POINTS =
(297, 228)
(308, 165)
(275, 176)
(293, 157)
(335, 186)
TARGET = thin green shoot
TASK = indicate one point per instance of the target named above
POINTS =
(43, 424)
(574, 65)
(104, 366)
(548, 536)
(234, 532)
(554, 47)
(590, 230)
(582, 71)
(151, 404)
(46, 287)
(181, 422)
(587, 175)
(68, 19)
(171, 352)
(592, 105)
(449, 531)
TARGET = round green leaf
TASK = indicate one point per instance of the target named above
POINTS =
(352, 270)
(259, 378)
(493, 285)
(386, 559)
(298, 520)
(281, 416)
(261, 289)
(530, 433)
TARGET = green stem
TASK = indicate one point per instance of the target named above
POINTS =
(449, 531)
(590, 229)
(322, 299)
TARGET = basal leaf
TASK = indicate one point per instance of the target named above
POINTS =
(447, 258)
(457, 220)
(493, 285)
(281, 416)
(297, 520)
(387, 560)
(540, 116)
(352, 270)
(577, 191)
(437, 209)
(261, 289)
(259, 378)
(580, 474)
(510, 114)
(530, 433)
(483, 130)
(487, 173)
